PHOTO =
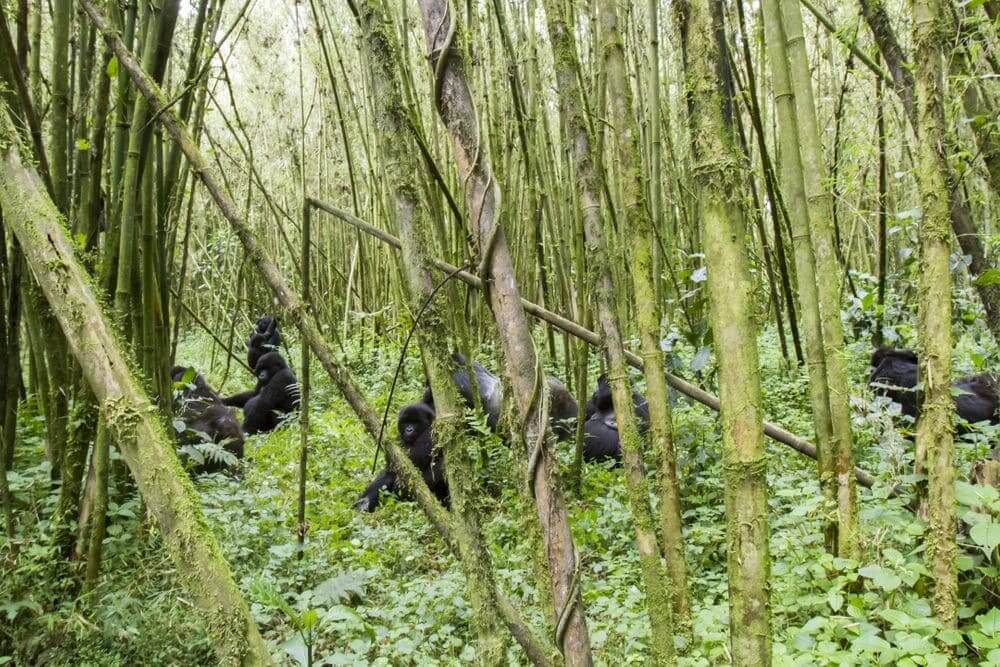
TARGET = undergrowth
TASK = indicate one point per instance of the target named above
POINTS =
(383, 589)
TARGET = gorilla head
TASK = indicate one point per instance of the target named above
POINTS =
(264, 338)
(413, 422)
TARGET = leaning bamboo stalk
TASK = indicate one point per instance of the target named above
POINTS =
(128, 412)
(695, 393)
(294, 311)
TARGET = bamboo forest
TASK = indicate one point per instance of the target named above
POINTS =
(500, 332)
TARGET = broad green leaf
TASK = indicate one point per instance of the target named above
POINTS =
(112, 67)
(296, 647)
(897, 619)
(989, 622)
(988, 277)
(986, 535)
(881, 577)
(975, 494)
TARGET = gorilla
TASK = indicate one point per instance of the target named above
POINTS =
(204, 415)
(276, 395)
(414, 423)
(563, 409)
(264, 338)
(600, 430)
(977, 400)
(488, 384)
(895, 375)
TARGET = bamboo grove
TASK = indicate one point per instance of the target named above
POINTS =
(579, 187)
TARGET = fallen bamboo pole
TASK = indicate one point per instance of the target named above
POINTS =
(693, 392)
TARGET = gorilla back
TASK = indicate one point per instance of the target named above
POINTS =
(202, 411)
(600, 430)
(563, 409)
(895, 375)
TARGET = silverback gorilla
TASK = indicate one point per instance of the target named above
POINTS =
(562, 407)
(600, 430)
(276, 395)
(414, 423)
(204, 415)
(894, 374)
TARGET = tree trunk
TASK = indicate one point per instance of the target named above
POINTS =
(146, 447)
(523, 367)
(659, 596)
(719, 182)
(934, 431)
(793, 186)
(402, 166)
(819, 202)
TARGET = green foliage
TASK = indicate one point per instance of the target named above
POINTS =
(383, 589)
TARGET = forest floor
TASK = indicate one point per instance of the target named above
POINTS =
(382, 588)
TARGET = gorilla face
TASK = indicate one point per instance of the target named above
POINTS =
(276, 395)
(269, 366)
(413, 421)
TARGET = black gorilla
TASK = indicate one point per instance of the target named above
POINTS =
(978, 400)
(563, 409)
(264, 338)
(202, 412)
(490, 389)
(276, 395)
(414, 422)
(600, 430)
(895, 376)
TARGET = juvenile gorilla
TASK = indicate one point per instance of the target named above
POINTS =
(276, 395)
(600, 430)
(562, 406)
(414, 422)
(202, 411)
(264, 338)
(895, 375)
